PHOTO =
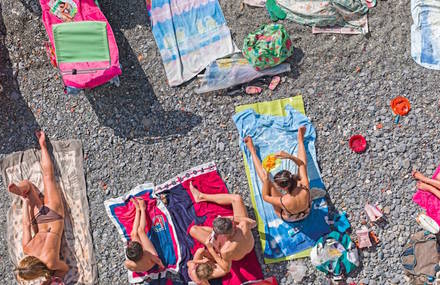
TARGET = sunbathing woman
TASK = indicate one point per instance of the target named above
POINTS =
(295, 204)
(141, 254)
(427, 184)
(203, 268)
(44, 215)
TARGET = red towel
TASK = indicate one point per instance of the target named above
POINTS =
(429, 201)
(247, 269)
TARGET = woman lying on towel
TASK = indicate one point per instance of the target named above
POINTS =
(44, 215)
(203, 268)
(295, 205)
(140, 252)
(427, 184)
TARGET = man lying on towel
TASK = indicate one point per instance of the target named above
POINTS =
(230, 238)
(140, 252)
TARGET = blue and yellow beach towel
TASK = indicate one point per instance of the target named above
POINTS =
(273, 126)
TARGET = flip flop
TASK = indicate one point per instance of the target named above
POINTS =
(274, 83)
(373, 212)
(427, 223)
(252, 90)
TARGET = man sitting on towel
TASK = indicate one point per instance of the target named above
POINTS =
(230, 238)
(141, 254)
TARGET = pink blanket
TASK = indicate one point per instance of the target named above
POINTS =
(87, 11)
(429, 201)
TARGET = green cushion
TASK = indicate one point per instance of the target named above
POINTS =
(81, 42)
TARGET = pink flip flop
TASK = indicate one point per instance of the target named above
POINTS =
(373, 212)
(274, 83)
(252, 90)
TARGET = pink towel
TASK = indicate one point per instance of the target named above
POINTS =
(429, 201)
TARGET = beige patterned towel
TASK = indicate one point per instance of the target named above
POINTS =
(76, 246)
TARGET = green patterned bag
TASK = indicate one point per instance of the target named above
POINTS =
(269, 46)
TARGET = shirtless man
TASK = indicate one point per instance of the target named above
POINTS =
(141, 254)
(230, 238)
(203, 268)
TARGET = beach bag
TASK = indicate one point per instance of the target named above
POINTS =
(269, 46)
(335, 254)
(420, 257)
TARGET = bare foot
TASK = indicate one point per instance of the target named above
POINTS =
(141, 203)
(41, 136)
(196, 193)
(249, 143)
(425, 187)
(419, 176)
(20, 190)
(135, 203)
(301, 132)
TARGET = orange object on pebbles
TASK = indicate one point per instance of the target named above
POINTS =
(400, 106)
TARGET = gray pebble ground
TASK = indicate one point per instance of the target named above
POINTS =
(146, 131)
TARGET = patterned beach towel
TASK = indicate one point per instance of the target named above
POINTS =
(325, 13)
(76, 245)
(273, 127)
(425, 33)
(190, 34)
(160, 229)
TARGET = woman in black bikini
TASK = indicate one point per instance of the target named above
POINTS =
(44, 215)
(295, 204)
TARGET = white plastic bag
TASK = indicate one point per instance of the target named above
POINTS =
(235, 70)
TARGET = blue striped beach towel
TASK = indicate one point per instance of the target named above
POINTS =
(190, 34)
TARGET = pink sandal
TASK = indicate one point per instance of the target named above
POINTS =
(274, 83)
(252, 90)
(373, 212)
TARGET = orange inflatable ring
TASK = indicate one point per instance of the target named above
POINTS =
(400, 105)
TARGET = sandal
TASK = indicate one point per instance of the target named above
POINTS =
(427, 223)
(373, 212)
(274, 83)
(252, 90)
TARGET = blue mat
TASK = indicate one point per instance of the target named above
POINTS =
(281, 240)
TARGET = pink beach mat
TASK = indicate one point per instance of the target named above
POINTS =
(429, 201)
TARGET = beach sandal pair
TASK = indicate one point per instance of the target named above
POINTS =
(252, 90)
